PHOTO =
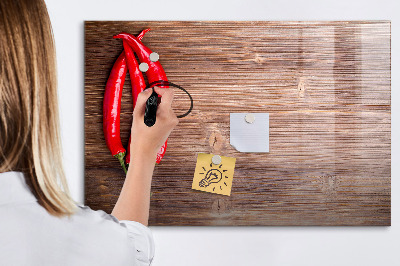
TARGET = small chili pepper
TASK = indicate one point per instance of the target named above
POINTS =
(154, 73)
(112, 109)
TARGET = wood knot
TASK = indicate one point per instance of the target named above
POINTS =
(221, 206)
(216, 141)
(329, 184)
(301, 87)
(103, 188)
(258, 59)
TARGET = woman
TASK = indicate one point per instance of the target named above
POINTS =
(40, 224)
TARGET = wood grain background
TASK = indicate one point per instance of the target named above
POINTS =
(326, 86)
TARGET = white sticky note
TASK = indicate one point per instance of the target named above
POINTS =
(249, 137)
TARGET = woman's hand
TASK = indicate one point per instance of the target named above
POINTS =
(134, 201)
(146, 139)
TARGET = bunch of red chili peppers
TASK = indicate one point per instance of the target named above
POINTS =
(115, 83)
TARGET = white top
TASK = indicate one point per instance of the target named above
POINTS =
(29, 235)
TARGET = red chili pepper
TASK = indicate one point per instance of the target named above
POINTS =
(154, 73)
(112, 109)
(137, 81)
(161, 152)
(112, 106)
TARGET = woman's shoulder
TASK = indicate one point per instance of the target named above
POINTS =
(97, 224)
(88, 214)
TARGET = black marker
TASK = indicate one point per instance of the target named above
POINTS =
(151, 109)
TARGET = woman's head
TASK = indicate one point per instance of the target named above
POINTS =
(29, 120)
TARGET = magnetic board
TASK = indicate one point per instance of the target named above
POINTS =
(326, 88)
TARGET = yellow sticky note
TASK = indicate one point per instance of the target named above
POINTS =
(214, 178)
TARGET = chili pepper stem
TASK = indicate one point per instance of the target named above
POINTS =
(120, 157)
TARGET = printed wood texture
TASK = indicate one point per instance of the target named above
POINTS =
(326, 86)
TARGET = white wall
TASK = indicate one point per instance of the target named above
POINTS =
(230, 245)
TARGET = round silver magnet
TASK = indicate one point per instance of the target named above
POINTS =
(143, 67)
(154, 57)
(216, 159)
(249, 118)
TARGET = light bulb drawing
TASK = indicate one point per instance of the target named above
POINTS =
(213, 176)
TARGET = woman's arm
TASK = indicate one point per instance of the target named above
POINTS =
(134, 201)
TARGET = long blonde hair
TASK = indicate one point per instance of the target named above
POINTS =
(29, 119)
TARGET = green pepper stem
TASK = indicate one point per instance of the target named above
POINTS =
(120, 157)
